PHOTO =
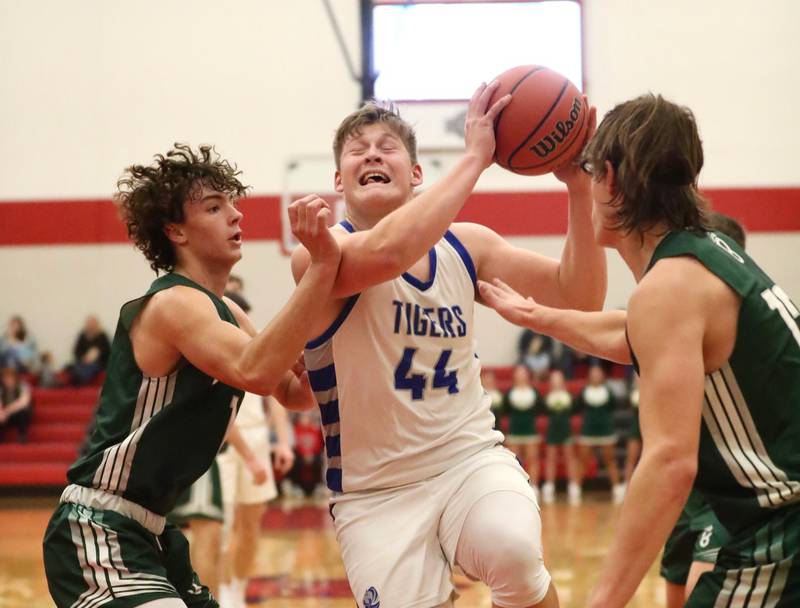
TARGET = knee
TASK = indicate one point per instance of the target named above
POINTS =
(513, 567)
(512, 553)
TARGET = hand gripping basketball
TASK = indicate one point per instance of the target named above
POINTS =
(545, 124)
(479, 126)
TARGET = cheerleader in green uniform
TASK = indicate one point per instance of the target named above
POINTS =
(559, 437)
(521, 404)
(597, 402)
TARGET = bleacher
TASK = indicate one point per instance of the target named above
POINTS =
(60, 419)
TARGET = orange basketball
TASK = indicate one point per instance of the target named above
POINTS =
(545, 123)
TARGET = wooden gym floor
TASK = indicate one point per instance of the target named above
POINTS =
(298, 562)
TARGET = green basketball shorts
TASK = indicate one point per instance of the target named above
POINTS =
(98, 557)
(759, 567)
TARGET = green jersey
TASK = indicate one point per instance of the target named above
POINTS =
(559, 411)
(597, 403)
(749, 460)
(151, 438)
(521, 405)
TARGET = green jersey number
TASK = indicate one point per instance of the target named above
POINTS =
(777, 299)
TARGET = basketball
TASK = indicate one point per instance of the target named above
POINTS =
(545, 123)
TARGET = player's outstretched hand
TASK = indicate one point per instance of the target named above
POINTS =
(479, 126)
(511, 305)
(309, 218)
(570, 173)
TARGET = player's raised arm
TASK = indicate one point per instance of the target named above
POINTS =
(577, 280)
(383, 249)
(186, 319)
(601, 334)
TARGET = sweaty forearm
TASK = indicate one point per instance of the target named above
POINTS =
(582, 272)
(406, 234)
(268, 356)
(601, 334)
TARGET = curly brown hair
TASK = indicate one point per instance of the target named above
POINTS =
(151, 197)
(655, 149)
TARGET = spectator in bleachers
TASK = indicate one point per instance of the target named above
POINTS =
(559, 439)
(634, 448)
(17, 347)
(308, 442)
(15, 404)
(234, 289)
(534, 353)
(522, 402)
(562, 358)
(489, 383)
(596, 401)
(90, 353)
(47, 376)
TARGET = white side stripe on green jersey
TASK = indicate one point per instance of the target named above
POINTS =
(736, 437)
(789, 489)
(114, 470)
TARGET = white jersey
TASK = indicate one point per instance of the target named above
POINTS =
(251, 412)
(398, 381)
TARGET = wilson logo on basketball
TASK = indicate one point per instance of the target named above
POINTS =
(563, 128)
(543, 126)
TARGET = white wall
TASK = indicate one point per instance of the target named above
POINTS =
(89, 87)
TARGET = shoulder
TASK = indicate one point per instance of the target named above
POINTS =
(475, 235)
(672, 304)
(667, 288)
(478, 240)
(177, 306)
(676, 283)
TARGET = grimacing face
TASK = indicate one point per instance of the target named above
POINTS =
(376, 174)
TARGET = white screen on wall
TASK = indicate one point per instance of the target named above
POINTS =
(443, 51)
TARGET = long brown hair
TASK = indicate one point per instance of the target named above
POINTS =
(655, 149)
